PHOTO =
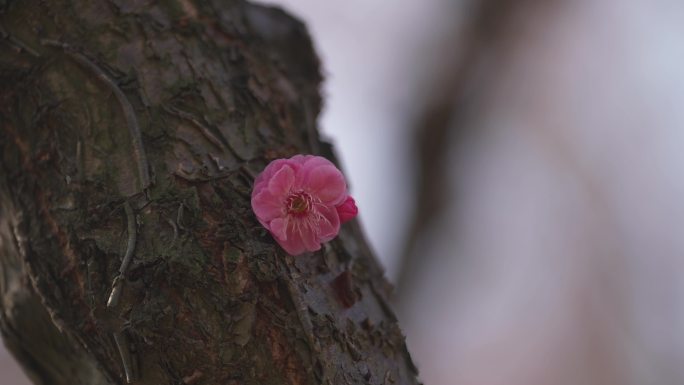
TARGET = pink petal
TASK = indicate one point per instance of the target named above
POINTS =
(308, 163)
(328, 223)
(312, 161)
(300, 159)
(293, 247)
(282, 231)
(310, 239)
(280, 184)
(262, 179)
(327, 184)
(266, 206)
(293, 244)
(278, 227)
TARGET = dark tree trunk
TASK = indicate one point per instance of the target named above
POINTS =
(130, 134)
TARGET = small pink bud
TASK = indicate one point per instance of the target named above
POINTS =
(347, 210)
(301, 201)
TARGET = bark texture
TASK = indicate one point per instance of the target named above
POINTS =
(130, 135)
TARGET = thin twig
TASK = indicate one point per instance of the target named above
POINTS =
(190, 179)
(206, 132)
(16, 43)
(117, 285)
(126, 106)
(124, 351)
(229, 146)
(179, 217)
(217, 139)
(175, 230)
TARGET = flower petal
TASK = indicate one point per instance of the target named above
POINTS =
(328, 223)
(278, 227)
(262, 179)
(293, 247)
(293, 244)
(310, 239)
(327, 184)
(281, 182)
(266, 206)
(307, 163)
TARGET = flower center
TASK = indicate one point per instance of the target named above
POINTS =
(298, 203)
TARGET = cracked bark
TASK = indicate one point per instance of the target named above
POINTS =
(135, 129)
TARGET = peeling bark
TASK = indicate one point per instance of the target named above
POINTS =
(130, 135)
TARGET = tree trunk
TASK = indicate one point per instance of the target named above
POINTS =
(130, 135)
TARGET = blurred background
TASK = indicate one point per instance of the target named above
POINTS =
(518, 168)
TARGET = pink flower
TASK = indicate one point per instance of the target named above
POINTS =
(302, 201)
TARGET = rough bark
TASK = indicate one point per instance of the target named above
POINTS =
(130, 135)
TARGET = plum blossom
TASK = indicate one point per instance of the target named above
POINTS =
(302, 201)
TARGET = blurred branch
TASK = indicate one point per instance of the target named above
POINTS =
(441, 125)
